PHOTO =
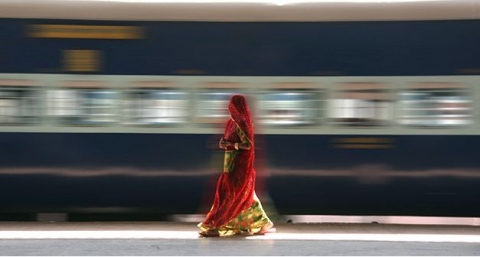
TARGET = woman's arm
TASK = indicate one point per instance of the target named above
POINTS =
(240, 145)
(245, 145)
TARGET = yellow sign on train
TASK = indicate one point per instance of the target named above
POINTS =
(84, 31)
(82, 60)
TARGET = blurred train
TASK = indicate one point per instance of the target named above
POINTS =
(362, 108)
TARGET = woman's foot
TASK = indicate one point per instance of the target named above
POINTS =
(209, 233)
(266, 229)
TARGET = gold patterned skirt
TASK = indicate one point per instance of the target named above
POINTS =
(250, 221)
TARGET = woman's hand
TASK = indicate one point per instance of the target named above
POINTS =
(223, 143)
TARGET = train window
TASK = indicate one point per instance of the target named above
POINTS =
(361, 104)
(435, 104)
(212, 102)
(19, 102)
(82, 103)
(155, 106)
(290, 106)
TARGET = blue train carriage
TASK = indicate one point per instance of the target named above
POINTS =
(364, 113)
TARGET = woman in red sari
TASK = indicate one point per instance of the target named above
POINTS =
(236, 208)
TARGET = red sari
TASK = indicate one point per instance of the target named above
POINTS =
(235, 207)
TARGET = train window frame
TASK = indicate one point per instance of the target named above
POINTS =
(291, 115)
(216, 88)
(434, 94)
(144, 88)
(81, 119)
(20, 87)
(375, 99)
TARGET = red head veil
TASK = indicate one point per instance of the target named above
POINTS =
(240, 113)
(235, 190)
